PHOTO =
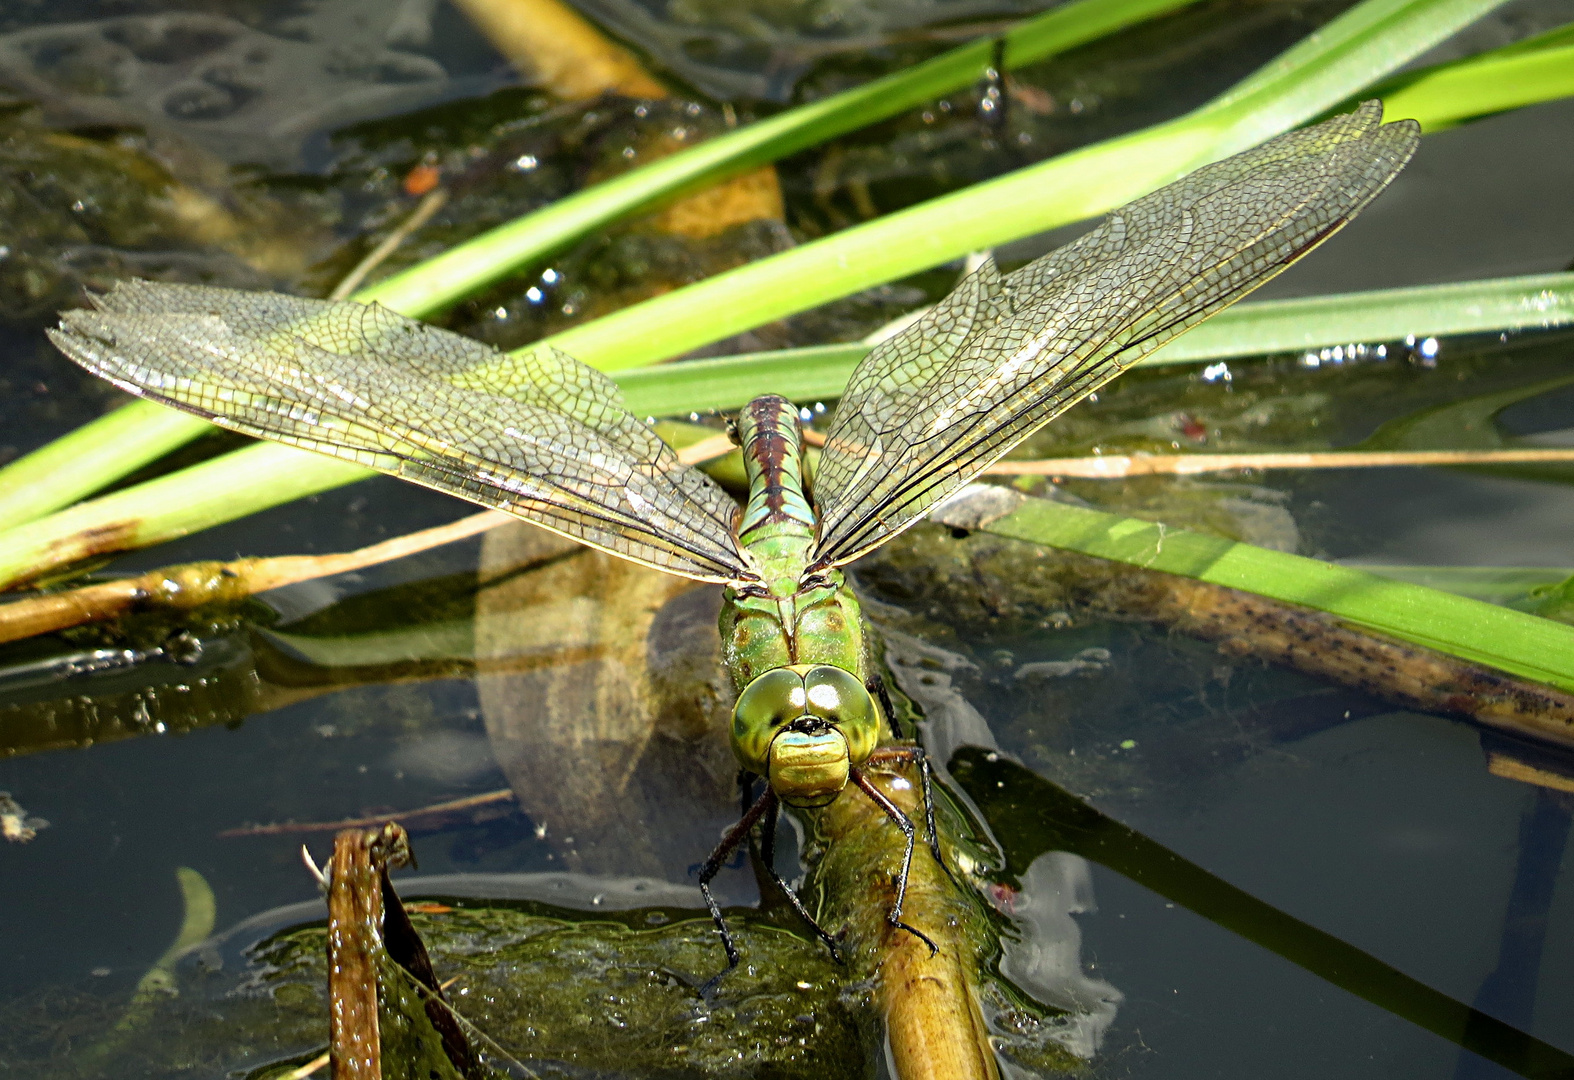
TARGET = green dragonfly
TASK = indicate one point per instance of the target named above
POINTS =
(546, 438)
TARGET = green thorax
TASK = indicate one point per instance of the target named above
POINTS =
(794, 644)
(789, 620)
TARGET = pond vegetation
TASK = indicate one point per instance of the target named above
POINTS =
(1243, 770)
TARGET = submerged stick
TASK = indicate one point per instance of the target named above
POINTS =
(1245, 624)
(1251, 624)
(930, 1003)
(551, 43)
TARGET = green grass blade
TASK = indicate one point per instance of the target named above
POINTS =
(223, 489)
(1538, 301)
(1492, 584)
(103, 451)
(1534, 302)
(1521, 644)
(1365, 43)
(730, 382)
(95, 454)
(1321, 72)
(1525, 73)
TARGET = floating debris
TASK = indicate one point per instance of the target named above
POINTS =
(15, 824)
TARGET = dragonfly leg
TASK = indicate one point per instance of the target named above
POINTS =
(745, 790)
(768, 857)
(903, 822)
(927, 790)
(729, 841)
(876, 686)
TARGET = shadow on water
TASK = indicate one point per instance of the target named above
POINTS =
(1031, 815)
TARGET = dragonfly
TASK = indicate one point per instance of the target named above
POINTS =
(548, 439)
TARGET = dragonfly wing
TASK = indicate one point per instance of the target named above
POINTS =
(363, 384)
(934, 406)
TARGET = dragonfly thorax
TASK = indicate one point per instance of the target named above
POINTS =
(804, 727)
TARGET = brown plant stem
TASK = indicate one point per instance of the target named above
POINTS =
(1120, 466)
(930, 1003)
(466, 811)
(370, 943)
(424, 211)
(192, 585)
(1245, 624)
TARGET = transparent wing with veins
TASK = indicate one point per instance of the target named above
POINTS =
(934, 406)
(360, 383)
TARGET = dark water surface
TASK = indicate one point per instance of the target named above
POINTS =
(1381, 828)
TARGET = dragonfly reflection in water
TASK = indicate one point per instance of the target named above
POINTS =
(546, 438)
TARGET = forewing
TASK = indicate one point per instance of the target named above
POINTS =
(934, 406)
(366, 385)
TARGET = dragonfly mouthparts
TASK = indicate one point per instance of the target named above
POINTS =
(809, 724)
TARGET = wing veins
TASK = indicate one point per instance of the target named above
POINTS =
(620, 488)
(1313, 180)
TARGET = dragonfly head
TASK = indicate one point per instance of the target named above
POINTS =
(803, 728)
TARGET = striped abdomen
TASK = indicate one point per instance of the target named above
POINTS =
(773, 460)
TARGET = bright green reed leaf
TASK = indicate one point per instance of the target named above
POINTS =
(103, 451)
(1513, 586)
(1534, 302)
(95, 454)
(1525, 73)
(1524, 645)
(1366, 42)
(1360, 46)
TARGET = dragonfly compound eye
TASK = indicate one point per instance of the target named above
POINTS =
(839, 697)
(768, 704)
(803, 727)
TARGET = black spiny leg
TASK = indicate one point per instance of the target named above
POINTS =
(903, 822)
(768, 856)
(745, 790)
(876, 686)
(730, 840)
(926, 788)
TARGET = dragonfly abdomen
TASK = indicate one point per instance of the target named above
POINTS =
(772, 445)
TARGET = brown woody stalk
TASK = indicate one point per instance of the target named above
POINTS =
(1245, 624)
(930, 1003)
(193, 585)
